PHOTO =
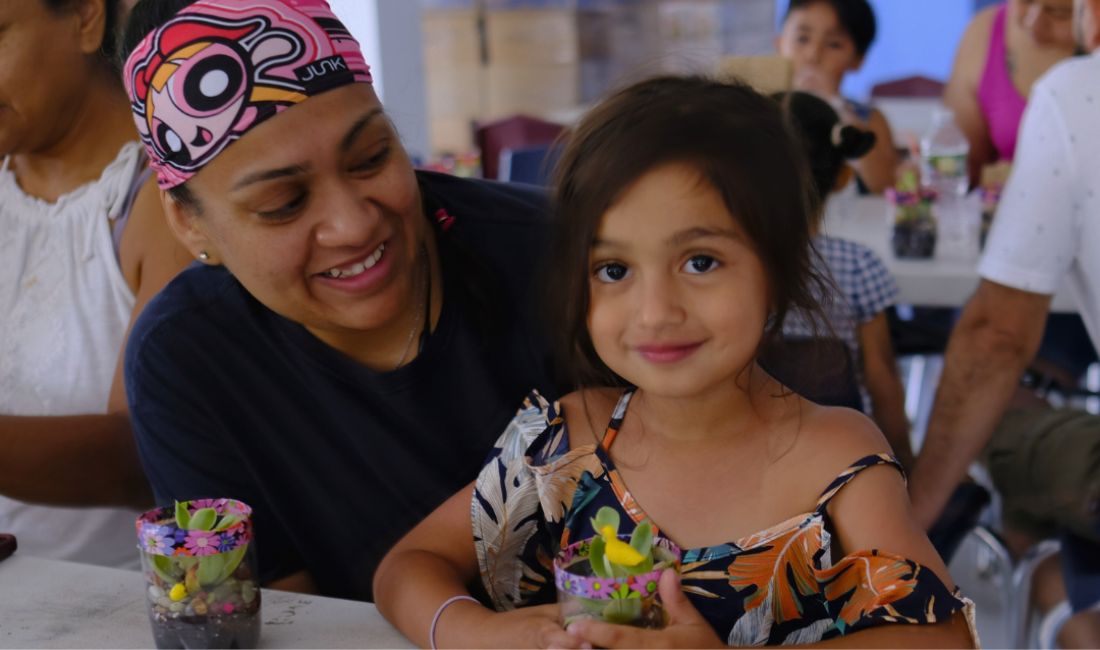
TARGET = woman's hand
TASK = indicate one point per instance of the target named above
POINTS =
(686, 628)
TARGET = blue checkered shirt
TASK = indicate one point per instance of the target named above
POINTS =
(866, 290)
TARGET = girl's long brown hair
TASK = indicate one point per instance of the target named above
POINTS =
(739, 142)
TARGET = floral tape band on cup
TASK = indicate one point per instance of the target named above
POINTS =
(221, 67)
(593, 586)
(160, 533)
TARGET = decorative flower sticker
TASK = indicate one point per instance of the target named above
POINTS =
(201, 542)
(644, 585)
(158, 539)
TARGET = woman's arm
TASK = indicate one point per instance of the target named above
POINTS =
(880, 372)
(961, 93)
(879, 167)
(436, 561)
(90, 460)
(150, 257)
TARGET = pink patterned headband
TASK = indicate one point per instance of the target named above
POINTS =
(221, 67)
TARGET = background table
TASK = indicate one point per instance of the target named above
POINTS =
(51, 604)
(934, 282)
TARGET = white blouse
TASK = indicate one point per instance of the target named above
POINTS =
(64, 309)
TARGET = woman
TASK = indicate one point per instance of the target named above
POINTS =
(357, 335)
(83, 246)
(1003, 51)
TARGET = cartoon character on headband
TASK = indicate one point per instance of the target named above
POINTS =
(220, 67)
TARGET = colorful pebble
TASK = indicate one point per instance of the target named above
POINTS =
(178, 592)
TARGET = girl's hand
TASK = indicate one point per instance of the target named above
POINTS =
(527, 627)
(686, 628)
(812, 80)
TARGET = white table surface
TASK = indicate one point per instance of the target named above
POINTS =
(934, 282)
(51, 604)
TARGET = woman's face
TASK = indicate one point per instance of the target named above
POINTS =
(1047, 22)
(819, 48)
(45, 60)
(317, 213)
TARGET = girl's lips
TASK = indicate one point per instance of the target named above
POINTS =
(364, 282)
(667, 353)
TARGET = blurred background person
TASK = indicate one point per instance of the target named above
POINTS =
(826, 39)
(1004, 50)
(83, 245)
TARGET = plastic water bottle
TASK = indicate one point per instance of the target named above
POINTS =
(943, 150)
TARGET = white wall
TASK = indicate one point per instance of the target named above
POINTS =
(389, 33)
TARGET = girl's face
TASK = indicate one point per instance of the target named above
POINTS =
(678, 296)
(819, 48)
(317, 213)
(1047, 22)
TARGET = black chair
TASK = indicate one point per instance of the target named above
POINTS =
(819, 369)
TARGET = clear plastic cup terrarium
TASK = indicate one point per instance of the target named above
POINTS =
(613, 577)
(913, 223)
(201, 586)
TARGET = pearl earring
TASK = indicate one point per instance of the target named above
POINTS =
(204, 256)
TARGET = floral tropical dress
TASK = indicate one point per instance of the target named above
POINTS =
(778, 586)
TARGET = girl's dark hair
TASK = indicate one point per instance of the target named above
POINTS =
(827, 144)
(739, 142)
(145, 17)
(855, 16)
(110, 26)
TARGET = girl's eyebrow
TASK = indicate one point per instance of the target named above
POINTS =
(691, 234)
(680, 238)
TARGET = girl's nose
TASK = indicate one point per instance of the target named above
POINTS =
(660, 304)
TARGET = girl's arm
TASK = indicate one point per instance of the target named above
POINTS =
(873, 512)
(880, 372)
(436, 561)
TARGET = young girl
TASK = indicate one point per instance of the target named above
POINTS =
(826, 39)
(684, 215)
(866, 286)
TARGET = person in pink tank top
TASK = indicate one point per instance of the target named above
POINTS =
(1004, 50)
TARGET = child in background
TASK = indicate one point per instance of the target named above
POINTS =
(684, 221)
(825, 39)
(867, 289)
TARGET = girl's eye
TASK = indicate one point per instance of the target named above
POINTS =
(285, 211)
(611, 272)
(373, 162)
(700, 264)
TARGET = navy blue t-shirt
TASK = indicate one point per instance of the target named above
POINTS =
(229, 399)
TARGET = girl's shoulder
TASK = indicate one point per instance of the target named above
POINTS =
(830, 441)
(588, 412)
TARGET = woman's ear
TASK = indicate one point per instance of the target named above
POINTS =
(183, 222)
(92, 26)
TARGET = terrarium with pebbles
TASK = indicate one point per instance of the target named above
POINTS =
(201, 585)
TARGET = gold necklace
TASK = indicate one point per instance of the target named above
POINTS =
(421, 313)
